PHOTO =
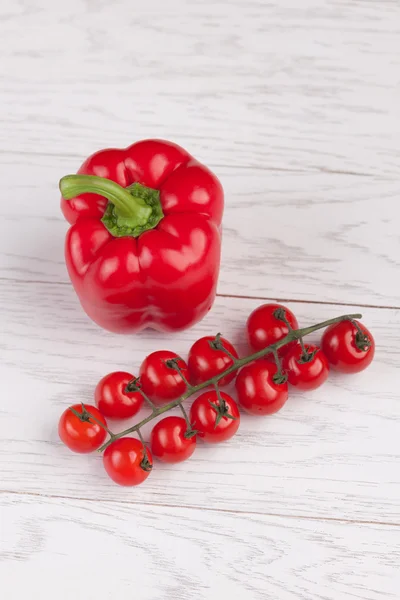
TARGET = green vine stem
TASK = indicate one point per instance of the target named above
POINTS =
(221, 408)
(280, 314)
(280, 376)
(293, 335)
(216, 344)
(86, 416)
(134, 386)
(145, 464)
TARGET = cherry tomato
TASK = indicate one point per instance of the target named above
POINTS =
(306, 372)
(212, 421)
(169, 442)
(258, 393)
(111, 398)
(82, 435)
(161, 382)
(348, 350)
(127, 462)
(265, 328)
(206, 361)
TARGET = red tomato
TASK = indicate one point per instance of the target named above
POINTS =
(306, 373)
(257, 391)
(82, 436)
(213, 422)
(160, 382)
(112, 399)
(127, 462)
(169, 442)
(348, 350)
(205, 361)
(264, 328)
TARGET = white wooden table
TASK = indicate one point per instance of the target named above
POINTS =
(296, 107)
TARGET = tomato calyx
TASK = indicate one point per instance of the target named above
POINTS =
(221, 409)
(280, 378)
(189, 433)
(84, 416)
(216, 343)
(280, 314)
(362, 341)
(145, 464)
(306, 356)
(173, 363)
(133, 385)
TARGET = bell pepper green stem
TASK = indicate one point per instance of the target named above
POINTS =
(131, 211)
(126, 204)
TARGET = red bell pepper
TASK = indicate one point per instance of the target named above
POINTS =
(144, 246)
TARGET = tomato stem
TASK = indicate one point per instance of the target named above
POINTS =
(134, 386)
(280, 376)
(172, 363)
(305, 355)
(189, 431)
(221, 408)
(280, 314)
(85, 415)
(145, 464)
(362, 340)
(216, 344)
(293, 335)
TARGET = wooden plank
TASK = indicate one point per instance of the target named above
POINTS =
(324, 237)
(116, 550)
(332, 453)
(309, 86)
(295, 106)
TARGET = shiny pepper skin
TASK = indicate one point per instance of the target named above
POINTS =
(164, 278)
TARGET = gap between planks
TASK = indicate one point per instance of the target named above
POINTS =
(233, 296)
(327, 302)
(203, 508)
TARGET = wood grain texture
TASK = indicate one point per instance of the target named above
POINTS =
(333, 453)
(296, 106)
(310, 86)
(324, 237)
(161, 553)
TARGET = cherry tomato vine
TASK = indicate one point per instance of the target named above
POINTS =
(165, 382)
